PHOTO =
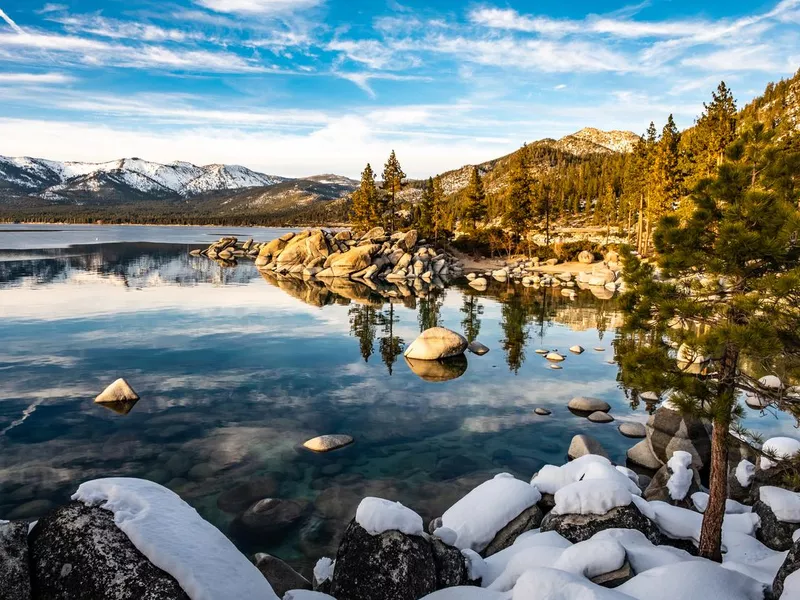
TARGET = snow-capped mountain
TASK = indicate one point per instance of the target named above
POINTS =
(127, 177)
(592, 141)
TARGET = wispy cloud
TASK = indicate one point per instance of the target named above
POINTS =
(269, 7)
(37, 78)
(10, 22)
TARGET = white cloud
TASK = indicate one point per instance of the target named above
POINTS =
(10, 22)
(51, 8)
(739, 58)
(258, 6)
(36, 78)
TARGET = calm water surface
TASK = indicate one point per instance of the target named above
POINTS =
(236, 370)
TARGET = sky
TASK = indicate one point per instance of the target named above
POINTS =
(300, 87)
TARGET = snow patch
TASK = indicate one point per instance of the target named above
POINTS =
(700, 502)
(592, 558)
(176, 539)
(551, 584)
(377, 516)
(745, 471)
(323, 570)
(479, 515)
(681, 479)
(552, 478)
(591, 497)
(781, 448)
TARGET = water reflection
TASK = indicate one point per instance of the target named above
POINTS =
(237, 368)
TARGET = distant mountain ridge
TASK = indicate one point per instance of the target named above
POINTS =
(132, 178)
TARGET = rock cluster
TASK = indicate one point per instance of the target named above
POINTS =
(317, 253)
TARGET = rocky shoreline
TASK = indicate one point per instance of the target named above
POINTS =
(604, 531)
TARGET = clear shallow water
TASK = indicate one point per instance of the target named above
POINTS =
(236, 370)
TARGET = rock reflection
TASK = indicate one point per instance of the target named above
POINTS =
(438, 371)
(121, 408)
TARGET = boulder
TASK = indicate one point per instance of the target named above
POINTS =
(451, 568)
(632, 429)
(583, 444)
(527, 520)
(240, 497)
(641, 455)
(272, 249)
(600, 417)
(585, 257)
(326, 443)
(773, 533)
(614, 578)
(281, 576)
(477, 348)
(15, 576)
(387, 566)
(77, 551)
(479, 283)
(790, 565)
(268, 519)
(436, 343)
(352, 261)
(587, 404)
(295, 253)
(554, 357)
(668, 431)
(540, 410)
(409, 240)
(658, 490)
(578, 528)
(576, 349)
(119, 391)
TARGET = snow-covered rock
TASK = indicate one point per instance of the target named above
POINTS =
(745, 471)
(176, 539)
(487, 509)
(684, 524)
(785, 504)
(779, 512)
(591, 497)
(377, 516)
(700, 502)
(781, 448)
(552, 478)
(14, 564)
(681, 479)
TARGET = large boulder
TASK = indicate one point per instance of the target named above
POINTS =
(77, 551)
(352, 261)
(585, 257)
(408, 241)
(658, 489)
(15, 577)
(779, 511)
(588, 405)
(578, 527)
(296, 253)
(281, 576)
(119, 391)
(789, 566)
(527, 520)
(583, 444)
(668, 431)
(392, 566)
(436, 343)
(641, 455)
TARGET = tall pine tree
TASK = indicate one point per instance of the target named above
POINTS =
(475, 200)
(392, 183)
(364, 212)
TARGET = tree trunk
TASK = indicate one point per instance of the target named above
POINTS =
(711, 532)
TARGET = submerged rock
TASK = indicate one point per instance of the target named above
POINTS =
(15, 576)
(240, 497)
(268, 520)
(78, 552)
(583, 444)
(600, 417)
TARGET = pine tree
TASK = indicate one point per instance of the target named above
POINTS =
(441, 223)
(729, 291)
(427, 210)
(364, 212)
(519, 206)
(475, 200)
(392, 183)
(664, 181)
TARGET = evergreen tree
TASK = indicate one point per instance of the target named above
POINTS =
(427, 210)
(441, 223)
(364, 211)
(704, 145)
(475, 202)
(392, 183)
(729, 292)
(519, 207)
(664, 181)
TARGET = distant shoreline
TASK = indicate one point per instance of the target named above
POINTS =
(67, 224)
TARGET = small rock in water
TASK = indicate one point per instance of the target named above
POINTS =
(554, 356)
(576, 349)
(632, 430)
(649, 397)
(326, 443)
(542, 351)
(281, 576)
(477, 348)
(556, 367)
(583, 444)
(542, 411)
(600, 417)
(587, 404)
(119, 391)
(599, 349)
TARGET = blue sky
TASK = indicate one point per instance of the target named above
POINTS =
(295, 87)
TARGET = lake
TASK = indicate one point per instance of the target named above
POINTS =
(236, 370)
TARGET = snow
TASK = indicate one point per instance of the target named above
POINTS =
(644, 507)
(598, 470)
(791, 587)
(447, 535)
(591, 497)
(700, 501)
(780, 447)
(176, 539)
(466, 592)
(484, 511)
(629, 473)
(323, 570)
(641, 553)
(522, 561)
(592, 558)
(752, 558)
(785, 504)
(701, 580)
(551, 478)
(683, 524)
(377, 516)
(497, 563)
(681, 479)
(745, 471)
(476, 566)
(551, 584)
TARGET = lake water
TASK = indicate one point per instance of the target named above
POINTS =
(236, 370)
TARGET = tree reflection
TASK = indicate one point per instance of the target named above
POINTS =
(429, 308)
(363, 318)
(390, 345)
(472, 310)
(516, 313)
